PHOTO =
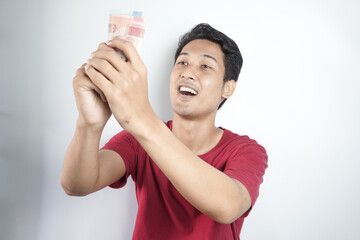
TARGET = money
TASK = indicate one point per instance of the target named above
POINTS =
(128, 25)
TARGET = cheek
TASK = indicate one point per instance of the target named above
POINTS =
(214, 86)
(172, 77)
(172, 86)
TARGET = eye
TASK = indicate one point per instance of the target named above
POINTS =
(205, 66)
(182, 63)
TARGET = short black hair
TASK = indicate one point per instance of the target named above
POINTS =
(232, 57)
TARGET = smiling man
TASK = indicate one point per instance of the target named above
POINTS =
(193, 180)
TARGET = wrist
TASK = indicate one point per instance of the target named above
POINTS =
(144, 126)
(91, 128)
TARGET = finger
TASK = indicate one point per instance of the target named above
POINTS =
(100, 93)
(111, 55)
(81, 78)
(128, 49)
(81, 71)
(98, 79)
(104, 67)
(88, 84)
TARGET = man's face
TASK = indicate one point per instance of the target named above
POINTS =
(197, 79)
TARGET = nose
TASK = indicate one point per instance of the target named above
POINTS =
(188, 74)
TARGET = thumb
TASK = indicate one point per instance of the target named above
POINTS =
(128, 49)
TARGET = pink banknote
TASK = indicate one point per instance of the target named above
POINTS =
(128, 25)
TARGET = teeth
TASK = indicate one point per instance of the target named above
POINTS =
(186, 89)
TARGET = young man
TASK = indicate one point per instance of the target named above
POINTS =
(193, 180)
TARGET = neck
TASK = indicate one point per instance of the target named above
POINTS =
(199, 135)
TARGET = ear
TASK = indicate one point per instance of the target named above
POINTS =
(229, 88)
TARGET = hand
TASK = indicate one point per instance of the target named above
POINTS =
(124, 83)
(90, 101)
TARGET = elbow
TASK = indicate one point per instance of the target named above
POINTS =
(232, 208)
(228, 214)
(226, 218)
(72, 193)
(70, 190)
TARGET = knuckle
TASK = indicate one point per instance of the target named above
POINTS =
(78, 75)
(91, 61)
(94, 54)
(75, 81)
(125, 86)
(101, 45)
(133, 76)
(98, 53)
(80, 70)
(137, 76)
(143, 69)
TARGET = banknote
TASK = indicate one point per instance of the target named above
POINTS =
(128, 25)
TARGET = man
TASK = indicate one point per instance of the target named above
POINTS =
(193, 180)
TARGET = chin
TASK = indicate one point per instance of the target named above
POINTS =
(183, 111)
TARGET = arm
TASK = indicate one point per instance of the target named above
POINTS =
(205, 187)
(85, 169)
(124, 85)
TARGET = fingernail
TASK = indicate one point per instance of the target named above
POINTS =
(108, 42)
(87, 66)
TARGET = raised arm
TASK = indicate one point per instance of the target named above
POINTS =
(85, 169)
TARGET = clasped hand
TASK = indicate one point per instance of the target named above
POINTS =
(123, 83)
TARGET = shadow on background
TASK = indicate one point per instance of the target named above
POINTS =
(21, 119)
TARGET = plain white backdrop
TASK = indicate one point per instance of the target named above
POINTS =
(297, 95)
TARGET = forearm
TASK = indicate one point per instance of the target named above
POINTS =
(81, 165)
(206, 188)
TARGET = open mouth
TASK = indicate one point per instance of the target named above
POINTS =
(187, 91)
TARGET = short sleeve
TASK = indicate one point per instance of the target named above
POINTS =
(125, 145)
(247, 164)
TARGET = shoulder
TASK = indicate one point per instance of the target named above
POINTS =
(123, 136)
(240, 142)
(241, 150)
(123, 141)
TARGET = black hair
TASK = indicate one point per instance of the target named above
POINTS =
(232, 57)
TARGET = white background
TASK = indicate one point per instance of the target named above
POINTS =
(297, 95)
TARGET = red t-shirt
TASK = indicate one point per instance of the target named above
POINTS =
(162, 212)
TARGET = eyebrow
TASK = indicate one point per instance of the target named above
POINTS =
(204, 55)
